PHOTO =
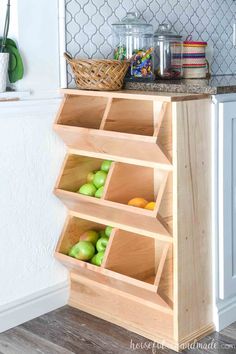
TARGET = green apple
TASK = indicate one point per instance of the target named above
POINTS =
(102, 233)
(102, 244)
(88, 189)
(90, 177)
(83, 250)
(100, 179)
(91, 236)
(98, 258)
(99, 192)
(108, 231)
(106, 165)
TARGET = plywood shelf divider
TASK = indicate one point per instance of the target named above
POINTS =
(159, 115)
(106, 113)
(161, 265)
(106, 255)
(108, 180)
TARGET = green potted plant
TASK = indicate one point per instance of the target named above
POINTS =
(10, 58)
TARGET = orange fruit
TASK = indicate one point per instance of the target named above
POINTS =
(138, 202)
(150, 206)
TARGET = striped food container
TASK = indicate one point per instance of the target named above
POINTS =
(195, 65)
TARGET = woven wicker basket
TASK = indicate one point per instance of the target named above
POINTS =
(98, 74)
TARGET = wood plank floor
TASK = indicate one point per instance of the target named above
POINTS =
(67, 331)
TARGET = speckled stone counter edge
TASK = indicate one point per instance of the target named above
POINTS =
(179, 88)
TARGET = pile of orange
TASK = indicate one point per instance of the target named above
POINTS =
(142, 203)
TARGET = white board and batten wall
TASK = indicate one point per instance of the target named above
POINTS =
(31, 281)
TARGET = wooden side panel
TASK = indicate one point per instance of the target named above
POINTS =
(128, 116)
(192, 217)
(82, 111)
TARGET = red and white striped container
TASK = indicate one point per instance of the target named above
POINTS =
(194, 60)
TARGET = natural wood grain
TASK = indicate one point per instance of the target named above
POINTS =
(132, 255)
(165, 132)
(130, 181)
(124, 289)
(157, 263)
(68, 330)
(161, 264)
(20, 341)
(139, 95)
(192, 217)
(74, 228)
(165, 209)
(75, 170)
(105, 212)
(79, 332)
(133, 117)
(165, 288)
(97, 300)
(128, 257)
(136, 149)
(106, 112)
(82, 111)
(159, 115)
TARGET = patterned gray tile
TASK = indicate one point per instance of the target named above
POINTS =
(89, 33)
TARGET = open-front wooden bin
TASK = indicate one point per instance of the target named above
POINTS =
(155, 278)
(98, 125)
(123, 183)
(131, 258)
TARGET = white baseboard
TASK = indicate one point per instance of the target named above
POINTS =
(225, 313)
(32, 306)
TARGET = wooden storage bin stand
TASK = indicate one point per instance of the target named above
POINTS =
(155, 278)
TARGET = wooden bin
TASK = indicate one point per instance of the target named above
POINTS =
(124, 182)
(155, 279)
(97, 124)
(131, 258)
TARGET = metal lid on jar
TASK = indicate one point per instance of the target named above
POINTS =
(131, 23)
(164, 33)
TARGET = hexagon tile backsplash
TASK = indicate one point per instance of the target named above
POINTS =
(89, 33)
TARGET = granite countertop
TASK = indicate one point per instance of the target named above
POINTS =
(213, 86)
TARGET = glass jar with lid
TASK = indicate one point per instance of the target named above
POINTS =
(168, 57)
(133, 41)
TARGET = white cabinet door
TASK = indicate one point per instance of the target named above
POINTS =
(227, 199)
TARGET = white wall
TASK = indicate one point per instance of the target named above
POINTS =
(31, 154)
(31, 217)
(38, 42)
(34, 25)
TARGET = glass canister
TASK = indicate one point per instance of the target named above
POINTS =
(133, 41)
(168, 57)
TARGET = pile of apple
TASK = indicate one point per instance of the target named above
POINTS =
(142, 203)
(91, 246)
(96, 181)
